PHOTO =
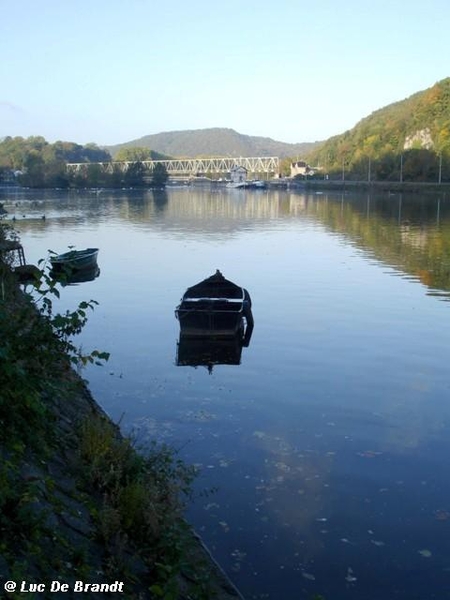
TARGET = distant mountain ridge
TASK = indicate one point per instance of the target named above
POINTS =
(215, 141)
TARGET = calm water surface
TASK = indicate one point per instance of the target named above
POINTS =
(329, 444)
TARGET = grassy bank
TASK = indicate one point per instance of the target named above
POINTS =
(78, 501)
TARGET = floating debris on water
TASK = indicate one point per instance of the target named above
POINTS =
(369, 453)
(309, 576)
(350, 577)
(238, 555)
(282, 466)
(200, 415)
(224, 526)
(425, 553)
(442, 515)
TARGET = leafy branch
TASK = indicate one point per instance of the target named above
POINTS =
(65, 325)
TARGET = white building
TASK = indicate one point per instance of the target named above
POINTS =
(238, 174)
(301, 168)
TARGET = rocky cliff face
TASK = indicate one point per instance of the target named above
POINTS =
(419, 139)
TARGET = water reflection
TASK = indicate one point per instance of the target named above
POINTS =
(210, 351)
(327, 443)
(75, 277)
(160, 200)
(406, 231)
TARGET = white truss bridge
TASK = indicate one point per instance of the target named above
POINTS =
(192, 166)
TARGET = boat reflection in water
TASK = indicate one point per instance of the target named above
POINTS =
(73, 277)
(81, 276)
(216, 322)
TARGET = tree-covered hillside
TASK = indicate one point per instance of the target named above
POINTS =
(410, 139)
(137, 153)
(215, 141)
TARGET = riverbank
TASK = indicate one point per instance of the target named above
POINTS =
(287, 183)
(376, 186)
(79, 505)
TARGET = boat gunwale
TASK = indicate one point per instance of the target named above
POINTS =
(74, 255)
(213, 299)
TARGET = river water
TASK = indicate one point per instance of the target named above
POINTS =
(324, 455)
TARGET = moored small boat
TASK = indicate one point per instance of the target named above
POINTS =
(215, 307)
(75, 260)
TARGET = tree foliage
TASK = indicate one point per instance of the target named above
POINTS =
(41, 164)
(214, 141)
(37, 163)
(159, 176)
(33, 340)
(134, 154)
(417, 128)
(15, 151)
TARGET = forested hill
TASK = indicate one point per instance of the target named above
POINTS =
(420, 122)
(214, 142)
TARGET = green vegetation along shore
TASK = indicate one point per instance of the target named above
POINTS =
(79, 504)
(409, 139)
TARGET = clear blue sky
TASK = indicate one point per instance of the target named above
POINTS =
(109, 71)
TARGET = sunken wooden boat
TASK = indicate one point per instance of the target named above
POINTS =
(215, 308)
(75, 260)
